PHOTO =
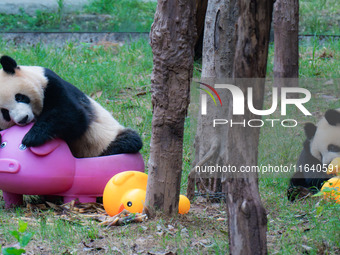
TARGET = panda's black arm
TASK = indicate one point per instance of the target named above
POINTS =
(52, 124)
(66, 114)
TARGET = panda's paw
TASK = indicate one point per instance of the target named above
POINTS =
(34, 138)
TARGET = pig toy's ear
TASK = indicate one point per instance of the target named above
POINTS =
(46, 148)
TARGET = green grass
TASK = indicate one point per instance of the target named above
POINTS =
(319, 17)
(59, 235)
(98, 15)
(120, 76)
(316, 17)
(128, 15)
(317, 58)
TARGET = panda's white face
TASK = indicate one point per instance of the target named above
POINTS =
(325, 145)
(19, 113)
(21, 95)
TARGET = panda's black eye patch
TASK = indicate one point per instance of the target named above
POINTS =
(20, 98)
(333, 148)
(5, 114)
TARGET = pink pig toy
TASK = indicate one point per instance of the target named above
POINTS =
(51, 169)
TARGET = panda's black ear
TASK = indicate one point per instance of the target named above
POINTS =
(8, 64)
(310, 130)
(332, 117)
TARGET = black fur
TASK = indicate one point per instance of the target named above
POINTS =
(332, 117)
(8, 64)
(5, 114)
(66, 114)
(310, 130)
(128, 141)
(305, 181)
(20, 98)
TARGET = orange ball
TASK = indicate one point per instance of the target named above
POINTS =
(331, 189)
(183, 204)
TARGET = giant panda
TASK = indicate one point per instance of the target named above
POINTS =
(321, 146)
(59, 110)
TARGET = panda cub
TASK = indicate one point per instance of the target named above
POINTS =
(322, 145)
(59, 110)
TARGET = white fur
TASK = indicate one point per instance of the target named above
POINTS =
(325, 134)
(28, 80)
(102, 131)
(20, 111)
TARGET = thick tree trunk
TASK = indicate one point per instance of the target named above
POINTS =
(172, 36)
(217, 65)
(247, 221)
(286, 41)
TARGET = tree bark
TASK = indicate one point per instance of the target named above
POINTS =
(247, 221)
(172, 36)
(217, 65)
(286, 41)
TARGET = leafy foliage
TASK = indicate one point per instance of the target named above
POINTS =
(22, 236)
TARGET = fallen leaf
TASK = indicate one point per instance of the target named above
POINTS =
(221, 219)
(96, 94)
(141, 93)
(54, 206)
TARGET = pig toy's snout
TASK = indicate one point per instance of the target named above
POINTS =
(9, 166)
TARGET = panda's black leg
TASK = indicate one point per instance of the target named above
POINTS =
(128, 141)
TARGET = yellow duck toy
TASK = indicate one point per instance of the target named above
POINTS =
(333, 183)
(127, 190)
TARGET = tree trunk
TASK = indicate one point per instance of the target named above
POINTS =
(172, 36)
(217, 65)
(247, 221)
(201, 9)
(286, 41)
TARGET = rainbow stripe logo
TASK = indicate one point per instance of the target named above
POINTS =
(204, 97)
(209, 93)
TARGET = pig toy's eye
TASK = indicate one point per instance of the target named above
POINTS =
(3, 144)
(22, 147)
